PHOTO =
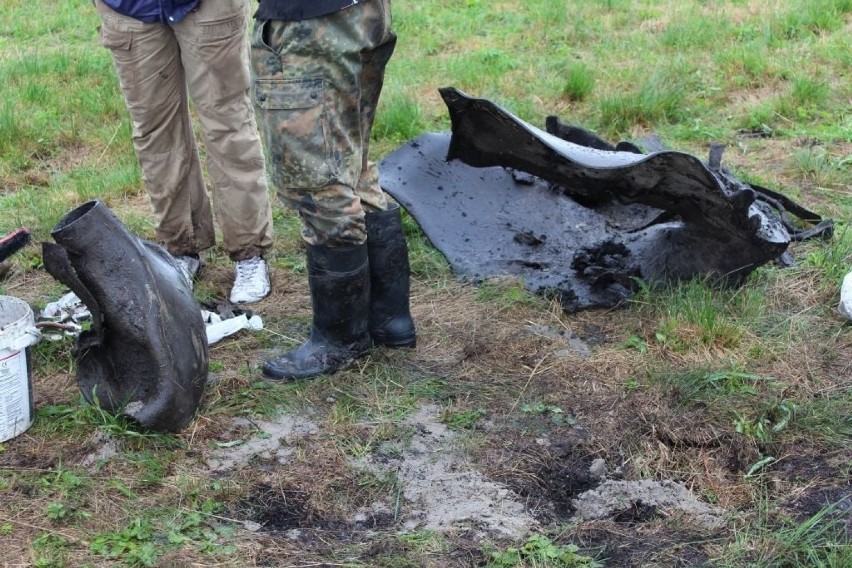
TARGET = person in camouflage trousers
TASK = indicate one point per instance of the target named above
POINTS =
(318, 68)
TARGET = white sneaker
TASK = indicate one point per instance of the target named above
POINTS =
(251, 282)
(189, 266)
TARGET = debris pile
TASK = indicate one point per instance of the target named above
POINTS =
(576, 217)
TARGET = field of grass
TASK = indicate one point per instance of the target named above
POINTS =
(741, 396)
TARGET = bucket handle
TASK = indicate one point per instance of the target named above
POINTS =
(31, 336)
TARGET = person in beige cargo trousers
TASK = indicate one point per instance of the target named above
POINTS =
(166, 51)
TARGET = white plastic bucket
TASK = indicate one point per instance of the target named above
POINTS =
(17, 334)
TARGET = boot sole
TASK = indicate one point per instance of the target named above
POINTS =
(272, 374)
(284, 377)
(281, 376)
(396, 343)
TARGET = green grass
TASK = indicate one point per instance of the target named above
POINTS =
(812, 18)
(831, 259)
(827, 417)
(694, 313)
(401, 120)
(820, 167)
(82, 418)
(579, 82)
(506, 295)
(539, 550)
(695, 32)
(748, 65)
(659, 99)
(816, 542)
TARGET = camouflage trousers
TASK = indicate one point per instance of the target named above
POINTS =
(204, 56)
(316, 86)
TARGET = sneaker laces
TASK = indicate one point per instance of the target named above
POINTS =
(252, 276)
(251, 282)
(247, 272)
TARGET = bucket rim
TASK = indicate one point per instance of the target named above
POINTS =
(24, 324)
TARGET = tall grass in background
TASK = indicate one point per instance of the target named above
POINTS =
(64, 132)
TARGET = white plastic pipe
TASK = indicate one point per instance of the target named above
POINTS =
(223, 328)
(845, 306)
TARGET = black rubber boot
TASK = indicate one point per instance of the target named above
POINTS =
(339, 280)
(390, 317)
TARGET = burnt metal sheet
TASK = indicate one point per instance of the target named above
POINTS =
(580, 218)
(146, 352)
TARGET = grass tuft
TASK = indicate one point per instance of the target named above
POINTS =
(579, 82)
(400, 119)
(659, 99)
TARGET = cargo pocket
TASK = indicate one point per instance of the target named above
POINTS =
(296, 130)
(114, 40)
(126, 67)
(211, 31)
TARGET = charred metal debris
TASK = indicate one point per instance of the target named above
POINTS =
(574, 216)
(145, 354)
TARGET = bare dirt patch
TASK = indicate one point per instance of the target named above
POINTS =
(639, 501)
(444, 491)
(271, 440)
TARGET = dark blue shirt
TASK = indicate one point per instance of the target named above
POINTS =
(150, 11)
(290, 10)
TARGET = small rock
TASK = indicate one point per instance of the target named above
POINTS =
(598, 469)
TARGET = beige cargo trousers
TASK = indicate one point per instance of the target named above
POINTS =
(205, 56)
